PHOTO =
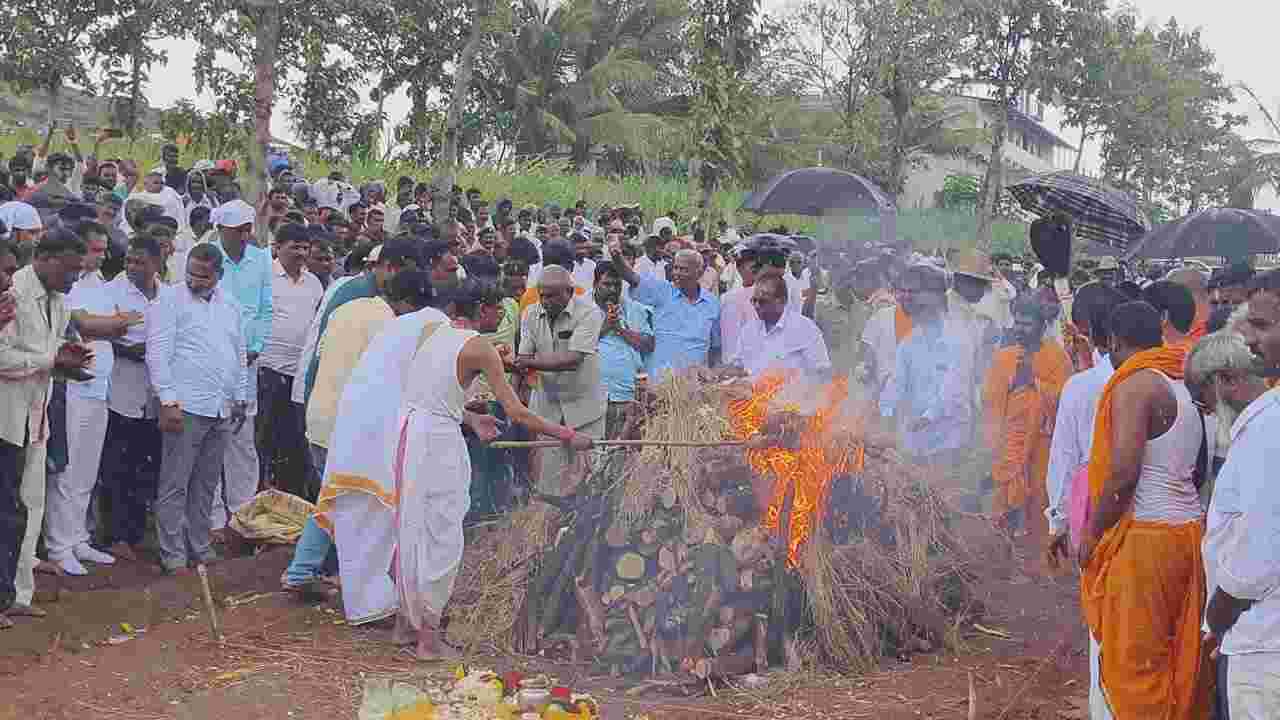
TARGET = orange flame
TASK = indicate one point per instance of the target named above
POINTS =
(809, 469)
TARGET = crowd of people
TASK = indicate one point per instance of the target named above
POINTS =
(172, 351)
(168, 351)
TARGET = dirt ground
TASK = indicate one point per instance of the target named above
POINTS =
(285, 659)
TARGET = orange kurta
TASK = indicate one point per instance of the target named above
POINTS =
(1143, 591)
(1018, 424)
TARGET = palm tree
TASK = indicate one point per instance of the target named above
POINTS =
(565, 72)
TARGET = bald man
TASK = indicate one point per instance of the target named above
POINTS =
(558, 338)
(1198, 284)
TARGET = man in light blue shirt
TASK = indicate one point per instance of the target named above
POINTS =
(929, 390)
(196, 361)
(246, 281)
(686, 318)
(625, 338)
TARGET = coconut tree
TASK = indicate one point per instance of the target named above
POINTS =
(565, 71)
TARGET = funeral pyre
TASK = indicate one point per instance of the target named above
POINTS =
(804, 545)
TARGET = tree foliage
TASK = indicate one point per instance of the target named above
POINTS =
(51, 43)
(883, 66)
(1015, 49)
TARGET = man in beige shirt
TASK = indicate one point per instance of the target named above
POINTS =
(558, 338)
(31, 347)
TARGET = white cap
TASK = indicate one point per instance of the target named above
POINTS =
(18, 215)
(233, 214)
(664, 222)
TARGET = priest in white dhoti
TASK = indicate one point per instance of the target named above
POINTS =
(397, 483)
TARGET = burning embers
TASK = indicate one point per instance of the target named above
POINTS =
(802, 452)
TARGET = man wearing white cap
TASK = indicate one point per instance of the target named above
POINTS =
(246, 281)
(23, 222)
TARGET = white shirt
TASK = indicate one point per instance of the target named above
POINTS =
(87, 294)
(1073, 437)
(293, 305)
(795, 292)
(793, 343)
(131, 394)
(881, 334)
(1242, 542)
(196, 351)
(584, 276)
(584, 273)
(645, 266)
(299, 394)
(735, 312)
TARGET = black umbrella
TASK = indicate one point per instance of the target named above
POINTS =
(1099, 213)
(822, 191)
(1216, 232)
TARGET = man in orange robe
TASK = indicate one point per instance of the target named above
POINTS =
(1021, 401)
(1143, 584)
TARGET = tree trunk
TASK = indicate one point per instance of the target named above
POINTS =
(991, 185)
(55, 97)
(267, 44)
(381, 148)
(1084, 135)
(461, 87)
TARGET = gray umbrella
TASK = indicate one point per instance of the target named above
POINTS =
(822, 191)
(1216, 232)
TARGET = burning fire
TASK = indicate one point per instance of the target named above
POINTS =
(805, 472)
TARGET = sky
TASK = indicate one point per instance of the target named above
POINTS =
(1240, 32)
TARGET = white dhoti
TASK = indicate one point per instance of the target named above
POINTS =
(364, 532)
(433, 483)
(358, 499)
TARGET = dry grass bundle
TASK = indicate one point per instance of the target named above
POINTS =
(898, 585)
(492, 583)
(684, 408)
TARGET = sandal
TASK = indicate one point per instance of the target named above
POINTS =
(5, 622)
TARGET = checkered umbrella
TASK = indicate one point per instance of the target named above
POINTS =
(1099, 213)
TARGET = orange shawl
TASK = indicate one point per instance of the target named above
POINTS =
(1151, 673)
(1018, 424)
(901, 323)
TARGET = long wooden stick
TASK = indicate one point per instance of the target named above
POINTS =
(528, 444)
(208, 603)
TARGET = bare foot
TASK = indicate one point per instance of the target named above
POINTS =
(124, 551)
(48, 568)
(26, 611)
(403, 634)
(5, 622)
(437, 652)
